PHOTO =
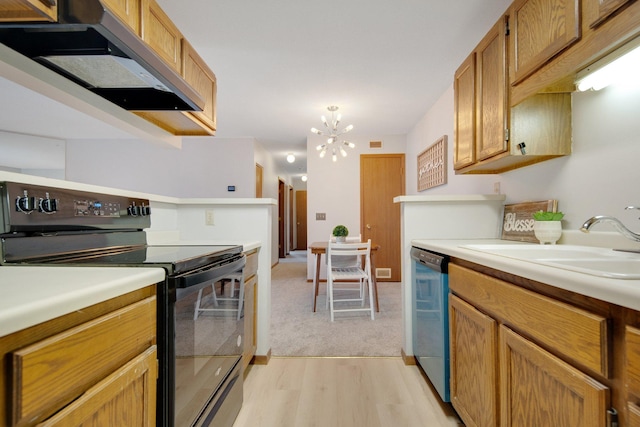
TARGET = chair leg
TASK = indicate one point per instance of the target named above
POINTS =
(196, 312)
(371, 298)
(330, 296)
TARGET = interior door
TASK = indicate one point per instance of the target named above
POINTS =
(259, 175)
(382, 179)
(301, 219)
(281, 220)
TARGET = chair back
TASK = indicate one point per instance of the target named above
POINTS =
(349, 254)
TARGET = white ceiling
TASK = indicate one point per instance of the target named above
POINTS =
(280, 63)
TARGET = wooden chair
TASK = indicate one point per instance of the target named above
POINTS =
(349, 262)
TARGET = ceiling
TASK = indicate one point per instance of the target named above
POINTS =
(280, 63)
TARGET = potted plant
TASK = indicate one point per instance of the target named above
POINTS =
(547, 226)
(340, 232)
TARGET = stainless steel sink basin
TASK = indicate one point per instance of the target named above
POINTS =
(596, 261)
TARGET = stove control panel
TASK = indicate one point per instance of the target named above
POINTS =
(27, 207)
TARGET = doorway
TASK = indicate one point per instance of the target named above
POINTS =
(281, 219)
(382, 179)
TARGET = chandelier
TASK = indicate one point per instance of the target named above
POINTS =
(333, 134)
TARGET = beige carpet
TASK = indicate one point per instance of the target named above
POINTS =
(297, 331)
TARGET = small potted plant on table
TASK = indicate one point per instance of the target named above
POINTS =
(340, 232)
(547, 226)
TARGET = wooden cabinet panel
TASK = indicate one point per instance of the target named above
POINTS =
(250, 329)
(633, 415)
(28, 10)
(474, 370)
(538, 389)
(125, 398)
(82, 356)
(541, 29)
(128, 11)
(604, 9)
(465, 113)
(577, 334)
(492, 93)
(161, 34)
(196, 72)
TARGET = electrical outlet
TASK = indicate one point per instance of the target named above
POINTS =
(496, 187)
(208, 217)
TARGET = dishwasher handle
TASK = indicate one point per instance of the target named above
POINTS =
(432, 260)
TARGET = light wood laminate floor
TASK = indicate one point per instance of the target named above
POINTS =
(340, 392)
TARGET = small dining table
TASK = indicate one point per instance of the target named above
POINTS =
(319, 248)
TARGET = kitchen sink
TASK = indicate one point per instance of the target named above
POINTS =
(596, 261)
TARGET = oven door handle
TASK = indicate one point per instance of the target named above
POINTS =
(210, 274)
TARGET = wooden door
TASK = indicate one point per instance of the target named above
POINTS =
(281, 220)
(301, 219)
(290, 220)
(492, 93)
(382, 179)
(464, 80)
(474, 371)
(538, 389)
(259, 174)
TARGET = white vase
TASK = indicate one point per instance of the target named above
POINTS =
(341, 239)
(547, 231)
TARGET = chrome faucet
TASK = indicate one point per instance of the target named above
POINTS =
(614, 222)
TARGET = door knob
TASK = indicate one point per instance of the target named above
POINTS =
(368, 226)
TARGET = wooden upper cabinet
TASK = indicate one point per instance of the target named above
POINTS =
(464, 82)
(196, 72)
(128, 11)
(604, 9)
(161, 34)
(492, 93)
(28, 10)
(540, 29)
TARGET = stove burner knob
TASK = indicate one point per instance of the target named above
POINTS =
(48, 205)
(133, 210)
(145, 210)
(25, 204)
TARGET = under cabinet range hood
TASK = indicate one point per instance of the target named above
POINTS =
(91, 47)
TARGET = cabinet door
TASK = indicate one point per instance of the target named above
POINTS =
(196, 72)
(540, 29)
(160, 33)
(128, 11)
(492, 93)
(125, 398)
(464, 82)
(250, 339)
(28, 10)
(538, 389)
(605, 8)
(474, 384)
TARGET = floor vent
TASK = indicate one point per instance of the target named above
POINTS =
(375, 144)
(383, 273)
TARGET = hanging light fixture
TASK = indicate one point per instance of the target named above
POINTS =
(332, 134)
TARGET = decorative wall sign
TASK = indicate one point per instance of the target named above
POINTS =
(432, 165)
(517, 223)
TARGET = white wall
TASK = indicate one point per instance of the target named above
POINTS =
(599, 177)
(333, 188)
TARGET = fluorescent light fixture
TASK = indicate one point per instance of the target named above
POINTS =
(621, 66)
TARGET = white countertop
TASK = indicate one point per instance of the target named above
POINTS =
(32, 295)
(625, 293)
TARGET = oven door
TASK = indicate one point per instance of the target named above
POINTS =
(204, 343)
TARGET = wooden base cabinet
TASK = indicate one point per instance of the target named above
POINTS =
(539, 389)
(519, 358)
(250, 308)
(474, 369)
(96, 366)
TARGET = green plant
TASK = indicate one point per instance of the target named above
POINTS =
(340, 230)
(548, 216)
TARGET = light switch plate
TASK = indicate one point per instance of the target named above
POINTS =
(321, 216)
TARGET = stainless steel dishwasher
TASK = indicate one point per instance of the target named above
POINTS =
(430, 306)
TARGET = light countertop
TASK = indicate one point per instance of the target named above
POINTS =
(625, 293)
(32, 295)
